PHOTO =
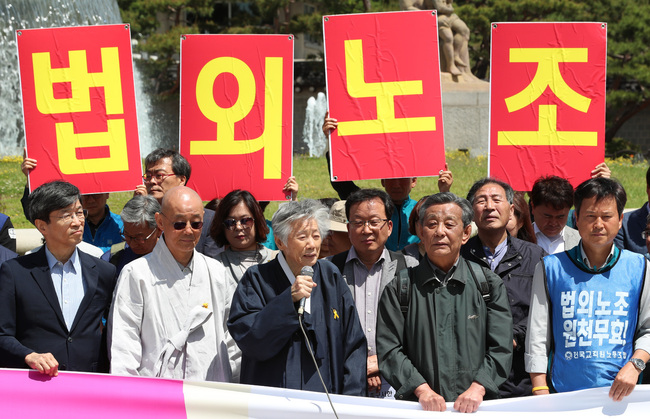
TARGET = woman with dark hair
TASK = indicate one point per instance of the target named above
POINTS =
(520, 225)
(239, 225)
(415, 249)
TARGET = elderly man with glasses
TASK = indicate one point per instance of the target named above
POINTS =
(170, 306)
(140, 232)
(53, 300)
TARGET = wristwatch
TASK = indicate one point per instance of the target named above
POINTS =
(638, 363)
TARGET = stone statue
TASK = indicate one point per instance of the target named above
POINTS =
(453, 34)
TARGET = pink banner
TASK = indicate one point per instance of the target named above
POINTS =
(29, 394)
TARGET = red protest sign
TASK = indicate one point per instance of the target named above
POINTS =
(383, 87)
(79, 107)
(236, 113)
(547, 101)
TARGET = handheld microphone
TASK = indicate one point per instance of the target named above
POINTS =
(306, 271)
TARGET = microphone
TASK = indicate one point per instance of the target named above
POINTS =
(306, 271)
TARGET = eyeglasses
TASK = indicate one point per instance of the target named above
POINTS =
(126, 237)
(246, 222)
(68, 216)
(374, 224)
(158, 176)
(182, 225)
(645, 234)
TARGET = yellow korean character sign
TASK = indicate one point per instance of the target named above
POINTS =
(383, 87)
(547, 101)
(79, 106)
(236, 113)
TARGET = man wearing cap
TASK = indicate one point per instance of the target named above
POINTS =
(368, 266)
(337, 241)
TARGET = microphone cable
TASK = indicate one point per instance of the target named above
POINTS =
(311, 352)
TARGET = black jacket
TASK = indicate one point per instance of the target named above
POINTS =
(31, 319)
(516, 269)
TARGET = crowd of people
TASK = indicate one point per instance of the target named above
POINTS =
(373, 294)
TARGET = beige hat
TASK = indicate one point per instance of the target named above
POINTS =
(338, 220)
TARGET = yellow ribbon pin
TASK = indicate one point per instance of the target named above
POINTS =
(336, 315)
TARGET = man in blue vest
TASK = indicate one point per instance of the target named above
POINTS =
(590, 305)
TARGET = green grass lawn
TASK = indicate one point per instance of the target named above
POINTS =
(313, 179)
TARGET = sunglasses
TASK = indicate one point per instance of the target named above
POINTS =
(181, 225)
(246, 222)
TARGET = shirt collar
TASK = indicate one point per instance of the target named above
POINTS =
(189, 266)
(593, 268)
(497, 250)
(52, 260)
(438, 273)
(352, 254)
(286, 268)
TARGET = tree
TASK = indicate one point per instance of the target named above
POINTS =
(163, 47)
(628, 37)
(157, 25)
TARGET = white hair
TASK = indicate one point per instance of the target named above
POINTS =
(290, 212)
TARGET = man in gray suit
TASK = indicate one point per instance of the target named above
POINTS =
(368, 266)
(551, 200)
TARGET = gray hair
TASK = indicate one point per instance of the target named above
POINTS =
(141, 210)
(290, 212)
(510, 194)
(448, 198)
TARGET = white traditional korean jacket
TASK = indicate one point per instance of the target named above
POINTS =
(169, 322)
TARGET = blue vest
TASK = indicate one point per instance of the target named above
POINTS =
(594, 318)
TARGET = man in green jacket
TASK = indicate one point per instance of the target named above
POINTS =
(447, 336)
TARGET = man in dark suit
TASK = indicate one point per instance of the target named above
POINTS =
(512, 259)
(630, 237)
(52, 301)
(6, 254)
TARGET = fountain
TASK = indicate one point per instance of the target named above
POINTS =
(312, 133)
(29, 14)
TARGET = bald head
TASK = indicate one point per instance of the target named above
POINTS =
(180, 220)
(181, 195)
